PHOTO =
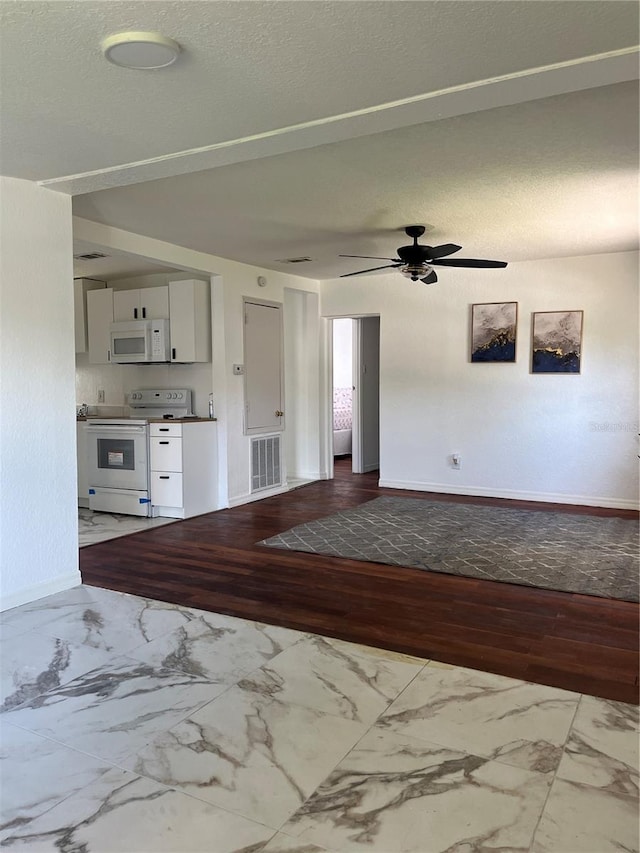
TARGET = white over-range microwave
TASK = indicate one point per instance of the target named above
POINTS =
(140, 342)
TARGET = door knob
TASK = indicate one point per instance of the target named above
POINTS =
(279, 414)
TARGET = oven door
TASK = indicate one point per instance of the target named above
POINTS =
(118, 456)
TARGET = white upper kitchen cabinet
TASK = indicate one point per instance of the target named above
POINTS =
(99, 319)
(190, 320)
(81, 286)
(147, 303)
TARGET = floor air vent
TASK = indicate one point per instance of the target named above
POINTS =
(265, 463)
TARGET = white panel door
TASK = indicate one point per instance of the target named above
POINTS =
(263, 367)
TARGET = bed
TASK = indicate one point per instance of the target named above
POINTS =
(342, 420)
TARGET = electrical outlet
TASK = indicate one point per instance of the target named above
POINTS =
(456, 461)
(101, 395)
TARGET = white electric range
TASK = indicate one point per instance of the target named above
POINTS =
(118, 450)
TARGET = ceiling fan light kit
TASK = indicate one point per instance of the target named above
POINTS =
(419, 271)
(416, 262)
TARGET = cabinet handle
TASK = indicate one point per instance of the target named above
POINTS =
(164, 477)
(163, 442)
(163, 429)
(144, 313)
(173, 353)
(135, 313)
(108, 355)
(278, 413)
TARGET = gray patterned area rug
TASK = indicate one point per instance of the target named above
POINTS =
(561, 551)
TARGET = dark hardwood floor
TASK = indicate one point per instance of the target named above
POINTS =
(211, 562)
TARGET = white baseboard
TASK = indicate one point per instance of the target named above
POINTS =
(542, 497)
(304, 475)
(257, 496)
(40, 590)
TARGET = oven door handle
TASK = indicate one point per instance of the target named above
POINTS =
(128, 429)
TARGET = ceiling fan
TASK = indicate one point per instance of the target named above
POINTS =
(417, 262)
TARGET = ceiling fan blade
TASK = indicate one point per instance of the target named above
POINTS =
(371, 257)
(445, 249)
(468, 262)
(430, 279)
(373, 269)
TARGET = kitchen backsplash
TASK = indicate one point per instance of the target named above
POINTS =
(117, 380)
(102, 411)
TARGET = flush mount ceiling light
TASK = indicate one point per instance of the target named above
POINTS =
(143, 51)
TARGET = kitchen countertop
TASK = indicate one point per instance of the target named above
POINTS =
(150, 420)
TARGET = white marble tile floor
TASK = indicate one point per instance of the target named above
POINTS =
(138, 726)
(99, 526)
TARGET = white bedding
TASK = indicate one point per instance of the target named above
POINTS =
(342, 420)
(341, 442)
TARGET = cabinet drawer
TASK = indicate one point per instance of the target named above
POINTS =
(166, 454)
(165, 429)
(166, 489)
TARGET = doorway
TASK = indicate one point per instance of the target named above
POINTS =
(355, 392)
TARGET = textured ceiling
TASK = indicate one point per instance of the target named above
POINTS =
(547, 178)
(113, 266)
(476, 148)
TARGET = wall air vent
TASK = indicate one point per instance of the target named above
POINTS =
(265, 463)
(89, 256)
(294, 260)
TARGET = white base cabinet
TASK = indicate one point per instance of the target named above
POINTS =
(183, 468)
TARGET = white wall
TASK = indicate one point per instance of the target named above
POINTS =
(301, 380)
(38, 510)
(566, 438)
(235, 281)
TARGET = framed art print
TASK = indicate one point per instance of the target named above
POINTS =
(556, 342)
(493, 331)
